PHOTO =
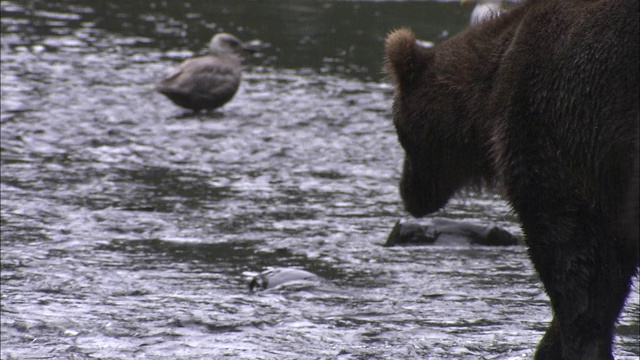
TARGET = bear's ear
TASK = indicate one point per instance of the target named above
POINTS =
(404, 57)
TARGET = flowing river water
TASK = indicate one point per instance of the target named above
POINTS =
(128, 223)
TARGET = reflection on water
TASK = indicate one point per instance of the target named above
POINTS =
(127, 225)
(324, 36)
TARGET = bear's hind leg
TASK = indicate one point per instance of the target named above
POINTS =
(587, 278)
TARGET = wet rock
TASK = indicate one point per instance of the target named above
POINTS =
(449, 232)
(409, 233)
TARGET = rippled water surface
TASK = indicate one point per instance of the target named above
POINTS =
(127, 223)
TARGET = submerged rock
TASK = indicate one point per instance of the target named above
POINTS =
(409, 233)
(449, 232)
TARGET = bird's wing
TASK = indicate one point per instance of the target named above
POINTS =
(204, 75)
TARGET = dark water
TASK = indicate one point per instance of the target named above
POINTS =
(127, 225)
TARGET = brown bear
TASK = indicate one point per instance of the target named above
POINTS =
(543, 101)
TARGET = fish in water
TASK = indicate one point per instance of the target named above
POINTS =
(206, 82)
(275, 277)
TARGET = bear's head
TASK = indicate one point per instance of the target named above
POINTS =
(431, 117)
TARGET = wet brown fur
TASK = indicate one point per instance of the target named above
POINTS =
(543, 100)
